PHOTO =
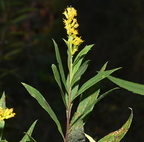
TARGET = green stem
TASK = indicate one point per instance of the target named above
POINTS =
(68, 110)
(2, 124)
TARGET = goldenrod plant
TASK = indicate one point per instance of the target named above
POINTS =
(6, 113)
(88, 93)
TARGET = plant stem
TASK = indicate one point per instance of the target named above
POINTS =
(68, 110)
(68, 115)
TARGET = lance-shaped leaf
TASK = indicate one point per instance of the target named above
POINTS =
(89, 138)
(21, 11)
(80, 56)
(27, 137)
(60, 66)
(56, 75)
(58, 80)
(130, 86)
(103, 67)
(117, 136)
(100, 76)
(31, 139)
(3, 101)
(88, 100)
(21, 18)
(77, 77)
(41, 100)
(80, 72)
(2, 122)
(106, 93)
(86, 105)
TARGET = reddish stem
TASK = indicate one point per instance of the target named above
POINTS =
(68, 113)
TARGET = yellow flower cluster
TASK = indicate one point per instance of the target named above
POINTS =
(6, 113)
(71, 26)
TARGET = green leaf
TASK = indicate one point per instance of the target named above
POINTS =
(25, 10)
(90, 98)
(59, 61)
(100, 76)
(80, 72)
(41, 100)
(16, 44)
(21, 18)
(31, 139)
(106, 93)
(56, 75)
(3, 101)
(57, 78)
(10, 55)
(88, 101)
(3, 141)
(80, 56)
(86, 105)
(116, 136)
(75, 90)
(2, 105)
(89, 138)
(130, 86)
(27, 136)
(103, 67)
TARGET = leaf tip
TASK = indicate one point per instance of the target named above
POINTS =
(130, 109)
(23, 83)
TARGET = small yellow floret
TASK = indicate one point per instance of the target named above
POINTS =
(6, 113)
(70, 13)
(77, 41)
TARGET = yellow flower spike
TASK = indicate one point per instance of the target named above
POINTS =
(71, 26)
(6, 113)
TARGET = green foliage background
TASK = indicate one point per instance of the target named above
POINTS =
(26, 55)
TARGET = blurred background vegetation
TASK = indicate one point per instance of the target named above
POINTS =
(116, 27)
